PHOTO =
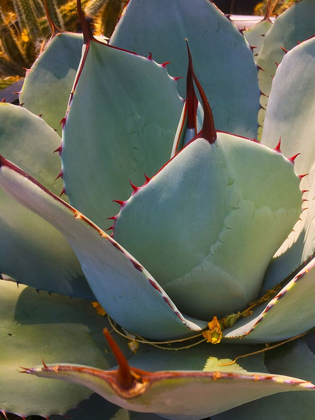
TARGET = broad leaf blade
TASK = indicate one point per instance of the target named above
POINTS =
(121, 124)
(121, 285)
(290, 313)
(293, 359)
(183, 393)
(48, 83)
(293, 123)
(35, 326)
(224, 62)
(294, 25)
(31, 250)
(217, 205)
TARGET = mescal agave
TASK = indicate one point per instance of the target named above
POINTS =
(205, 226)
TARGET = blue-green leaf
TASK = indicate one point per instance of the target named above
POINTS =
(31, 250)
(224, 62)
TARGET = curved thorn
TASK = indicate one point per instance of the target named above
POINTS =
(177, 78)
(44, 364)
(63, 191)
(165, 64)
(134, 187)
(277, 148)
(302, 176)
(120, 202)
(208, 129)
(284, 50)
(60, 175)
(147, 178)
(59, 150)
(124, 377)
(150, 56)
(63, 122)
(292, 159)
(54, 28)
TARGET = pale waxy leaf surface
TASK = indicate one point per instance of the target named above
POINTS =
(256, 34)
(121, 285)
(294, 25)
(291, 118)
(36, 326)
(184, 393)
(224, 62)
(48, 83)
(121, 124)
(194, 258)
(293, 359)
(290, 313)
(31, 250)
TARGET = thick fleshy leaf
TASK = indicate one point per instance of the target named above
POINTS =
(290, 117)
(121, 124)
(217, 205)
(290, 313)
(31, 250)
(293, 359)
(256, 34)
(121, 285)
(48, 83)
(35, 326)
(223, 60)
(294, 25)
(299, 247)
(183, 394)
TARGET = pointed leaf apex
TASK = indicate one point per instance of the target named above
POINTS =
(54, 28)
(191, 98)
(124, 377)
(87, 33)
(208, 129)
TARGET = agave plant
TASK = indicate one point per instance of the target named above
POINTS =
(207, 278)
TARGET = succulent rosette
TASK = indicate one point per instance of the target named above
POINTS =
(207, 275)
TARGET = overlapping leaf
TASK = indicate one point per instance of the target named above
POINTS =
(121, 285)
(290, 117)
(121, 124)
(293, 26)
(35, 326)
(48, 83)
(31, 250)
(225, 63)
(185, 393)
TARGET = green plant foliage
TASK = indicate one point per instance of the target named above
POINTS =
(207, 277)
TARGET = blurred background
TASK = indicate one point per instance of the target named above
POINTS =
(24, 29)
